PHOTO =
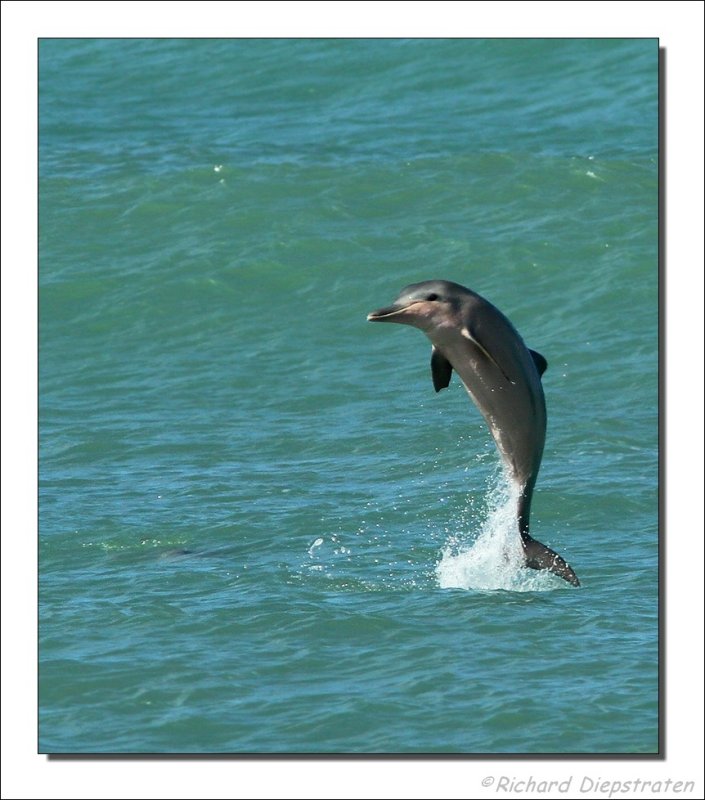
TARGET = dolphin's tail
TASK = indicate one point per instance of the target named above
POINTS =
(538, 556)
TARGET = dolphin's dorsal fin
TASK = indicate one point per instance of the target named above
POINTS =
(441, 370)
(539, 360)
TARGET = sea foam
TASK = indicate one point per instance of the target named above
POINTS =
(493, 559)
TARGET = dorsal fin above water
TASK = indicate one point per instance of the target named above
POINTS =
(539, 360)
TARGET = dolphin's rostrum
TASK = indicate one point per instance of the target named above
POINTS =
(502, 377)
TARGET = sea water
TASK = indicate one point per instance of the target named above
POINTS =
(260, 529)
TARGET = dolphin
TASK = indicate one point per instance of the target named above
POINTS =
(502, 377)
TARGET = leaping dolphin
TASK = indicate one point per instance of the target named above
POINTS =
(502, 377)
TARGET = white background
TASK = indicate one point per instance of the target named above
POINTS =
(679, 25)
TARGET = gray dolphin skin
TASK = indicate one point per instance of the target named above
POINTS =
(502, 377)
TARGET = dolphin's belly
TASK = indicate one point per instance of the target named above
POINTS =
(516, 416)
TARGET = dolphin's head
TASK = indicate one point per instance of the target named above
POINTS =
(428, 305)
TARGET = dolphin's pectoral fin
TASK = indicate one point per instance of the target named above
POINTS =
(540, 361)
(471, 337)
(441, 370)
(538, 556)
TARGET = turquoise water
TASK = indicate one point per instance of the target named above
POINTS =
(258, 523)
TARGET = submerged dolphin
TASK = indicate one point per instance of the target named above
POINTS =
(502, 377)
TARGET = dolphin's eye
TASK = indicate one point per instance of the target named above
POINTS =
(432, 296)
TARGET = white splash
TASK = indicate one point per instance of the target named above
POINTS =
(494, 559)
(317, 543)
